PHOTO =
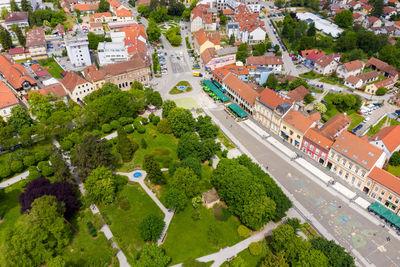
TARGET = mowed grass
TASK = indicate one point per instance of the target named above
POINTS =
(9, 204)
(395, 170)
(188, 238)
(85, 250)
(253, 261)
(355, 120)
(163, 146)
(186, 102)
(52, 67)
(126, 213)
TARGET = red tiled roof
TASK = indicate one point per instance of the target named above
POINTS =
(366, 7)
(227, 12)
(7, 98)
(352, 79)
(353, 65)
(16, 51)
(15, 74)
(335, 125)
(123, 13)
(298, 121)
(305, 53)
(53, 89)
(16, 16)
(208, 54)
(71, 80)
(35, 37)
(241, 88)
(39, 70)
(317, 138)
(86, 7)
(298, 94)
(384, 83)
(264, 60)
(357, 15)
(92, 74)
(102, 14)
(200, 37)
(271, 98)
(314, 56)
(372, 19)
(368, 75)
(357, 149)
(390, 136)
(386, 179)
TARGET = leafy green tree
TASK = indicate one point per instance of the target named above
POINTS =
(175, 8)
(186, 180)
(104, 6)
(176, 199)
(243, 231)
(100, 186)
(163, 127)
(61, 169)
(206, 128)
(294, 222)
(242, 53)
(4, 12)
(17, 30)
(39, 235)
(153, 97)
(273, 260)
(57, 261)
(153, 256)
(255, 248)
(337, 256)
(311, 29)
(153, 169)
(144, 10)
(125, 146)
(167, 106)
(272, 82)
(192, 162)
(181, 121)
(14, 6)
(237, 262)
(153, 31)
(308, 98)
(189, 146)
(395, 159)
(231, 39)
(344, 19)
(151, 228)
(381, 91)
(377, 7)
(5, 38)
(26, 6)
(136, 85)
(160, 14)
(40, 106)
(93, 152)
(19, 119)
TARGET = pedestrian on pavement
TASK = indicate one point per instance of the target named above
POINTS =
(230, 126)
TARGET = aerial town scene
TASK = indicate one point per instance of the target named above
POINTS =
(234, 133)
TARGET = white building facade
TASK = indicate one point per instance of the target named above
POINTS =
(78, 51)
(112, 52)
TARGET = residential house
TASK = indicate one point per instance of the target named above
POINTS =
(353, 82)
(76, 86)
(7, 101)
(358, 18)
(368, 77)
(16, 76)
(382, 67)
(203, 17)
(354, 68)
(95, 76)
(86, 8)
(210, 198)
(213, 58)
(396, 3)
(18, 18)
(269, 108)
(355, 5)
(304, 53)
(317, 141)
(96, 27)
(388, 11)
(270, 63)
(372, 22)
(55, 90)
(242, 72)
(135, 39)
(17, 53)
(312, 58)
(366, 9)
(58, 30)
(203, 41)
(396, 99)
(241, 93)
(104, 17)
(39, 71)
(387, 83)
(36, 43)
(295, 124)
(124, 15)
(298, 94)
(352, 158)
(327, 64)
(384, 188)
(387, 139)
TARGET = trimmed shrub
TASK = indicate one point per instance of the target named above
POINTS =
(243, 231)
(17, 166)
(255, 248)
(155, 120)
(34, 173)
(106, 128)
(224, 153)
(114, 124)
(123, 121)
(164, 127)
(45, 168)
(91, 229)
(29, 161)
(144, 120)
(66, 145)
(42, 155)
(129, 129)
(130, 120)
(5, 171)
(140, 128)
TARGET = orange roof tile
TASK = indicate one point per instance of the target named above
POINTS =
(335, 125)
(390, 136)
(317, 138)
(53, 89)
(386, 179)
(200, 37)
(7, 98)
(271, 98)
(86, 7)
(298, 94)
(123, 13)
(353, 65)
(102, 14)
(357, 149)
(298, 121)
(241, 88)
(71, 80)
(15, 74)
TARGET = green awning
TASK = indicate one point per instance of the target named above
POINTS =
(389, 215)
(238, 110)
(212, 86)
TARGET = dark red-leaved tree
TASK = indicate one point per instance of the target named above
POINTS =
(63, 191)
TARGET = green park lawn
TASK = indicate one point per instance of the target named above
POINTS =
(253, 261)
(85, 250)
(374, 130)
(311, 75)
(225, 141)
(11, 208)
(355, 120)
(131, 206)
(163, 146)
(175, 90)
(188, 239)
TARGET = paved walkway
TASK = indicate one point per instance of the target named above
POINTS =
(168, 214)
(14, 180)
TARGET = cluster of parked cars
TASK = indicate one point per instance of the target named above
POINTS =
(277, 15)
(367, 110)
(163, 63)
(193, 59)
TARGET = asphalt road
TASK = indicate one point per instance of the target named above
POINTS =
(351, 229)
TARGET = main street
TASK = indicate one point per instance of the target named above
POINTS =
(351, 229)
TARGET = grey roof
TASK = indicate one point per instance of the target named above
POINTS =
(227, 50)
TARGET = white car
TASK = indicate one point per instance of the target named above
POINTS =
(366, 119)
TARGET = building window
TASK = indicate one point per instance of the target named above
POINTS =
(373, 195)
(340, 173)
(353, 179)
(369, 183)
(350, 166)
(379, 199)
(376, 188)
(383, 192)
(344, 162)
(311, 147)
(359, 184)
(390, 197)
(346, 175)
(362, 174)
(305, 143)
(334, 168)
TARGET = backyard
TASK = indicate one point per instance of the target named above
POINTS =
(131, 206)
(188, 236)
(395, 170)
(355, 120)
(52, 67)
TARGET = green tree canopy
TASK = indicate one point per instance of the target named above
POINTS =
(151, 227)
(181, 121)
(152, 256)
(167, 106)
(153, 31)
(176, 199)
(344, 19)
(153, 169)
(100, 186)
(186, 180)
